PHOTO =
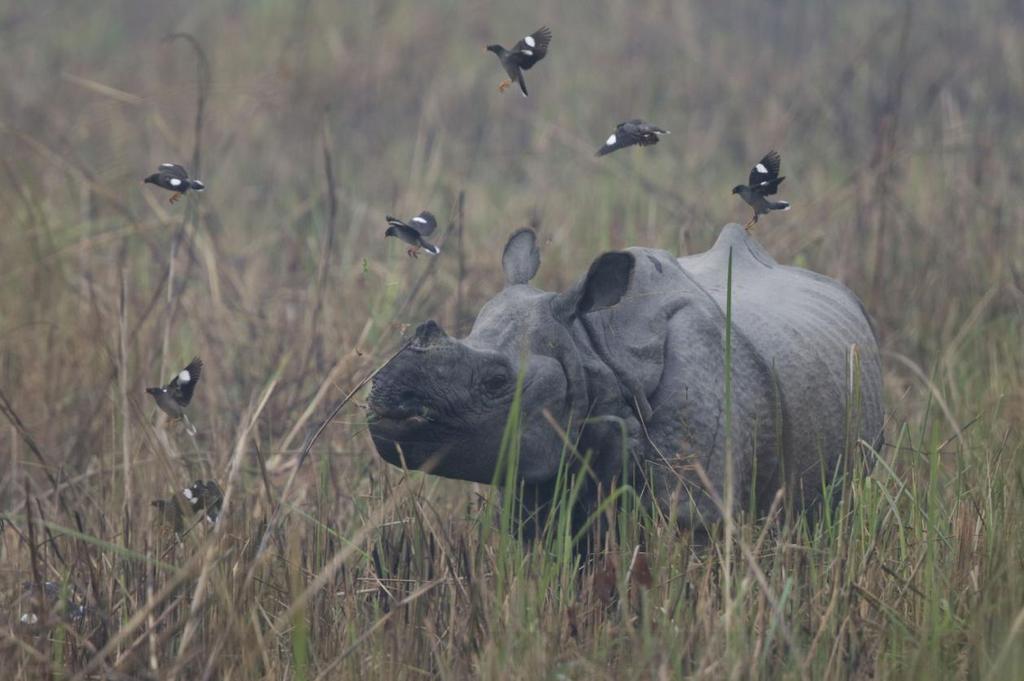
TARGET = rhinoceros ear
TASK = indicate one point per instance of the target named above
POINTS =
(606, 282)
(521, 258)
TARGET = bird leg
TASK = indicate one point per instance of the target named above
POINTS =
(413, 252)
(175, 197)
(750, 223)
(504, 85)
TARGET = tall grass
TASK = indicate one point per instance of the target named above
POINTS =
(899, 129)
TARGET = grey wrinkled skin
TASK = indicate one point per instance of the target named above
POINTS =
(636, 349)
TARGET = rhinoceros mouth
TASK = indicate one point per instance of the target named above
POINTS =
(408, 414)
(409, 440)
(402, 423)
(399, 428)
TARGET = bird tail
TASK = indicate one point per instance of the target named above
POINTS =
(429, 247)
(197, 185)
(522, 84)
(779, 205)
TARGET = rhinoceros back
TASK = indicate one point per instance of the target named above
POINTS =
(812, 331)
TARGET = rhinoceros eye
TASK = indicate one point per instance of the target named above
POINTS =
(495, 383)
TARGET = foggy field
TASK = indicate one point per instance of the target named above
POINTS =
(900, 128)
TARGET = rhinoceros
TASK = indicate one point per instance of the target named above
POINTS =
(628, 367)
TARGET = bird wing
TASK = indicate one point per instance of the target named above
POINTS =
(626, 134)
(213, 499)
(193, 494)
(645, 133)
(766, 170)
(622, 137)
(531, 49)
(174, 170)
(648, 128)
(771, 186)
(205, 495)
(424, 223)
(184, 383)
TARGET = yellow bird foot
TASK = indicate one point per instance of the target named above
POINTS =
(504, 85)
(750, 224)
(413, 253)
(175, 197)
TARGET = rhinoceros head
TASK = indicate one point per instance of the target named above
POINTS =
(443, 403)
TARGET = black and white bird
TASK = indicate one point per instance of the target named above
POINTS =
(764, 181)
(205, 496)
(175, 396)
(412, 232)
(52, 600)
(522, 57)
(628, 133)
(175, 178)
(173, 513)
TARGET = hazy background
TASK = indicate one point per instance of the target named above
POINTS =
(899, 125)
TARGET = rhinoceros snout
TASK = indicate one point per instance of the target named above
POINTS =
(388, 399)
(419, 380)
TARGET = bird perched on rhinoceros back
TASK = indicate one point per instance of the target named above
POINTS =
(522, 57)
(412, 232)
(628, 133)
(763, 182)
(174, 177)
(630, 363)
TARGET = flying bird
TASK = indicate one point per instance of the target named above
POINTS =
(52, 598)
(172, 514)
(205, 496)
(522, 57)
(764, 181)
(628, 133)
(412, 232)
(175, 396)
(174, 177)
